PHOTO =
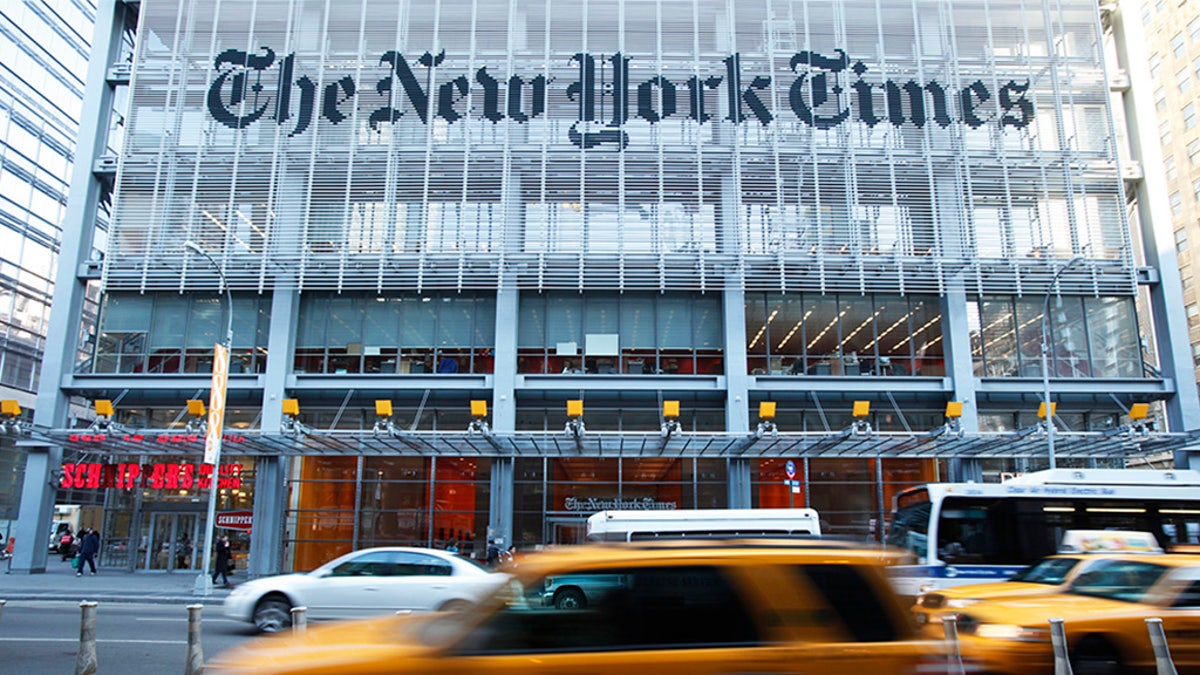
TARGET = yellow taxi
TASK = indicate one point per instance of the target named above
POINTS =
(1078, 551)
(665, 608)
(1104, 612)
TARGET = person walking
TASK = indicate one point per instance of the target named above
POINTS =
(66, 545)
(221, 567)
(89, 546)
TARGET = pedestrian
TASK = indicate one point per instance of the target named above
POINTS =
(452, 546)
(64, 545)
(224, 555)
(493, 552)
(89, 546)
(183, 552)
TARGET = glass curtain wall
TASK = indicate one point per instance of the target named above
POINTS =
(1089, 337)
(844, 334)
(631, 333)
(166, 333)
(339, 504)
(398, 334)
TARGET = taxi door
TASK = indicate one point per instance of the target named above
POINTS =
(664, 620)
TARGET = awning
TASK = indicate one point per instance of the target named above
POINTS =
(942, 444)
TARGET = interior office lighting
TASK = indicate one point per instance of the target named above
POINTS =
(1114, 509)
(1058, 509)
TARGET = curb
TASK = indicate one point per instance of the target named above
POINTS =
(108, 597)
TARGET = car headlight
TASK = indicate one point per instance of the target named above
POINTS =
(959, 603)
(1004, 631)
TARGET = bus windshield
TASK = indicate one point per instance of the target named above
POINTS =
(910, 523)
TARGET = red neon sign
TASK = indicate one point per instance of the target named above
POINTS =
(158, 476)
(174, 439)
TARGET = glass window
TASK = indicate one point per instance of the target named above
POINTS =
(1181, 240)
(1193, 150)
(1169, 165)
(1189, 116)
(1184, 81)
(1176, 203)
(1177, 45)
(691, 607)
(1193, 28)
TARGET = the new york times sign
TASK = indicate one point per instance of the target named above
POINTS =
(826, 91)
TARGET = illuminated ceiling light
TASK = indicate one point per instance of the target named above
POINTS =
(1114, 509)
(1058, 509)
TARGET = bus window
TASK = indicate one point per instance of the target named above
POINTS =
(965, 535)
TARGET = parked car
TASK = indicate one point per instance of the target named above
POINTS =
(667, 608)
(364, 583)
(1104, 614)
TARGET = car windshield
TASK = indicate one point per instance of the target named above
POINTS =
(1125, 580)
(1051, 571)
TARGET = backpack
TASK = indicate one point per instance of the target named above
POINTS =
(65, 540)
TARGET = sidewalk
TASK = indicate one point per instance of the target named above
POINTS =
(59, 582)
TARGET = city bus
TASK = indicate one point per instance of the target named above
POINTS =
(964, 533)
(683, 523)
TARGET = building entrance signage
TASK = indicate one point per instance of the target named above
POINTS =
(594, 504)
(156, 476)
(236, 520)
(825, 91)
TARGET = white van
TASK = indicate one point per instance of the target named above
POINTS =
(690, 523)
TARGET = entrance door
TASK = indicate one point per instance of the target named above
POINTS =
(566, 531)
(169, 541)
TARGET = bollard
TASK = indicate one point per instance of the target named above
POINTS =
(2, 604)
(950, 628)
(1163, 663)
(195, 652)
(299, 620)
(1058, 638)
(85, 658)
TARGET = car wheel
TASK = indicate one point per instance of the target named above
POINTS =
(1096, 656)
(273, 614)
(455, 606)
(570, 598)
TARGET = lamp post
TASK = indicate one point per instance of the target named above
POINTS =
(204, 581)
(1045, 358)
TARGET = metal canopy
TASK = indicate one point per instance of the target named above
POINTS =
(1029, 443)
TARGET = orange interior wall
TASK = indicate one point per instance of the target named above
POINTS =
(454, 500)
(325, 523)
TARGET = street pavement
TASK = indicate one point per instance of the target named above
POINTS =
(59, 582)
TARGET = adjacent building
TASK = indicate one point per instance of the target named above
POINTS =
(486, 269)
(44, 49)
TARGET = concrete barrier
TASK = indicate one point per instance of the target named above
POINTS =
(85, 658)
(195, 651)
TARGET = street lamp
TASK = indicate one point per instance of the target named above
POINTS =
(204, 581)
(1045, 357)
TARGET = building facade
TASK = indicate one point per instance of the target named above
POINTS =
(44, 48)
(489, 269)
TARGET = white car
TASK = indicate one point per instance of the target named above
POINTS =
(364, 583)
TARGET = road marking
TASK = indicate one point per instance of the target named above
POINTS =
(76, 640)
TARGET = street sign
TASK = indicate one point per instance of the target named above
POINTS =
(790, 469)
